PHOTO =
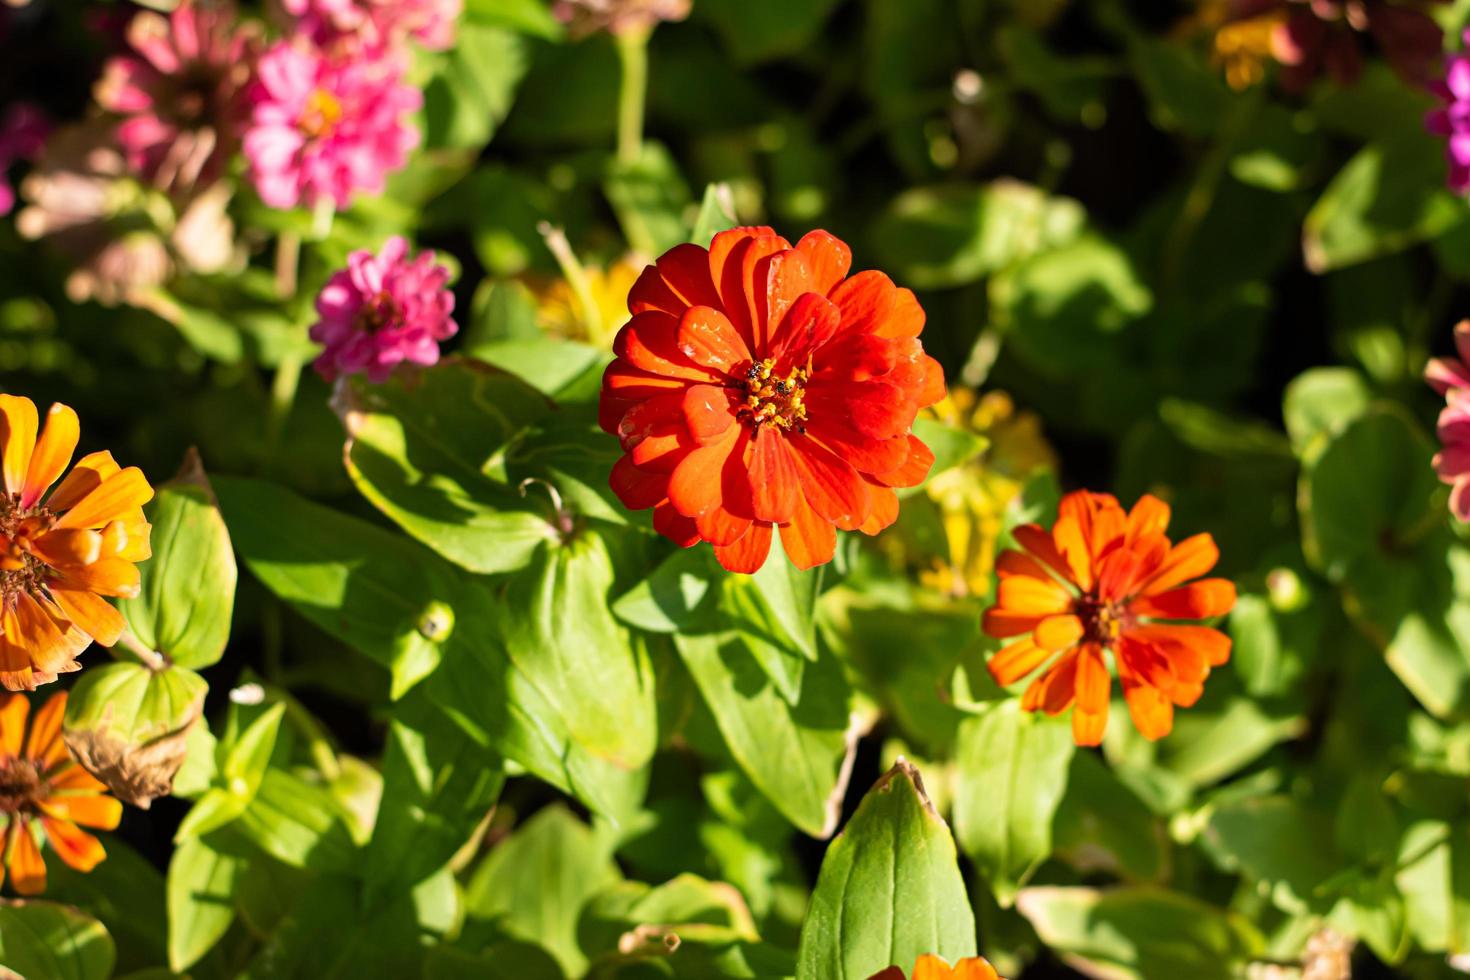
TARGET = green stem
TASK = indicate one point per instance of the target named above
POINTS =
(288, 258)
(317, 743)
(283, 395)
(576, 277)
(633, 58)
(129, 647)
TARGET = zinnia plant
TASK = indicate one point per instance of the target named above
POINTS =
(758, 386)
(1106, 581)
(43, 792)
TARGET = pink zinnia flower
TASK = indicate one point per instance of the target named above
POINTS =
(375, 23)
(180, 92)
(383, 309)
(22, 134)
(323, 128)
(1450, 376)
(1452, 120)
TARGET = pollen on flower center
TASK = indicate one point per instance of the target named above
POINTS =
(1102, 621)
(378, 312)
(20, 784)
(322, 113)
(770, 400)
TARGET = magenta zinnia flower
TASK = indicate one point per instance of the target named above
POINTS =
(383, 309)
(22, 134)
(324, 128)
(180, 92)
(1329, 35)
(1452, 120)
(1450, 376)
(377, 23)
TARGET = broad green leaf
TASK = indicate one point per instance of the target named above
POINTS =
(428, 451)
(1323, 401)
(472, 90)
(796, 754)
(649, 196)
(125, 893)
(536, 881)
(1391, 195)
(889, 890)
(1280, 843)
(201, 899)
(951, 445)
(438, 786)
(129, 726)
(1211, 742)
(1434, 877)
(1072, 89)
(690, 915)
(677, 596)
(298, 823)
(935, 237)
(758, 30)
(388, 598)
(560, 633)
(1102, 826)
(529, 16)
(716, 214)
(48, 941)
(1140, 933)
(188, 586)
(1012, 773)
(1185, 93)
(243, 769)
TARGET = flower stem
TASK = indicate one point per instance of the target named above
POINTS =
(288, 258)
(633, 58)
(575, 275)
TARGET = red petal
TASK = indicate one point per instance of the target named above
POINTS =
(650, 341)
(713, 475)
(882, 509)
(866, 301)
(650, 292)
(773, 477)
(663, 448)
(876, 409)
(832, 487)
(1190, 558)
(829, 258)
(863, 453)
(809, 541)
(1015, 660)
(720, 527)
(707, 337)
(643, 419)
(932, 389)
(906, 318)
(914, 469)
(635, 488)
(749, 553)
(685, 268)
(734, 275)
(708, 412)
(786, 278)
(809, 324)
(673, 525)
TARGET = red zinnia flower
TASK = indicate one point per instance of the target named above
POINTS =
(757, 385)
(1104, 580)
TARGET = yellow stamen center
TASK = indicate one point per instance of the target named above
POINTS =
(1102, 621)
(773, 401)
(322, 113)
(21, 571)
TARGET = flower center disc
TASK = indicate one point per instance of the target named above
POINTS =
(20, 784)
(377, 313)
(321, 114)
(770, 400)
(1101, 620)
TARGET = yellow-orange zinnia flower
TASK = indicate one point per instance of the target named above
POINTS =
(931, 967)
(39, 783)
(59, 554)
(1103, 579)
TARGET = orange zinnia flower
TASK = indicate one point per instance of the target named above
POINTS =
(757, 385)
(1106, 580)
(60, 554)
(931, 967)
(39, 782)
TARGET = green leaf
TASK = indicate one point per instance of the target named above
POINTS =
(678, 596)
(560, 633)
(529, 16)
(201, 899)
(298, 823)
(129, 726)
(1142, 933)
(758, 30)
(428, 451)
(471, 93)
(1185, 93)
(389, 598)
(1012, 773)
(49, 941)
(125, 893)
(188, 586)
(950, 235)
(1391, 195)
(716, 214)
(1434, 877)
(1102, 826)
(1280, 843)
(1323, 401)
(536, 881)
(242, 770)
(649, 197)
(796, 754)
(688, 914)
(438, 785)
(951, 445)
(889, 890)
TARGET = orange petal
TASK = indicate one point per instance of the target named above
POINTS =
(114, 497)
(1041, 544)
(27, 870)
(1015, 660)
(1189, 559)
(1149, 515)
(72, 547)
(1001, 623)
(1019, 563)
(1198, 600)
(69, 779)
(84, 477)
(45, 642)
(91, 614)
(809, 540)
(1072, 543)
(720, 527)
(1090, 716)
(707, 337)
(974, 968)
(1054, 691)
(749, 553)
(53, 451)
(931, 967)
(1057, 633)
(110, 576)
(73, 845)
(1151, 711)
(882, 510)
(695, 485)
(1032, 596)
(45, 745)
(101, 812)
(829, 258)
(14, 708)
(774, 481)
(17, 440)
